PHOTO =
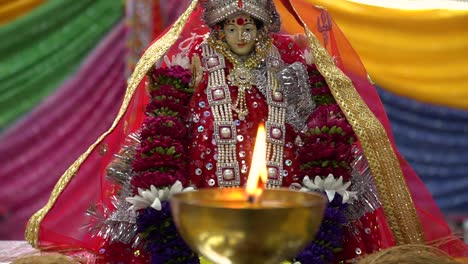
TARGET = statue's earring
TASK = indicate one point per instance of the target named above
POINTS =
(259, 36)
(221, 34)
(218, 32)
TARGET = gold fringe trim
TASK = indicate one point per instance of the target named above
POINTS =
(149, 58)
(395, 197)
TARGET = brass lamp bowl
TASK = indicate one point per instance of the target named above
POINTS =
(222, 226)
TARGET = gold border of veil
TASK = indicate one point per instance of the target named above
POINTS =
(394, 193)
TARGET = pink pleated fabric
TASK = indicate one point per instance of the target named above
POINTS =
(40, 147)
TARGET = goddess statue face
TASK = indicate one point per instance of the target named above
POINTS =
(240, 32)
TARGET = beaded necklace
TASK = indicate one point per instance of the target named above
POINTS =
(225, 133)
(241, 75)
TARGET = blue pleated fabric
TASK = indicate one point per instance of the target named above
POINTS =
(434, 140)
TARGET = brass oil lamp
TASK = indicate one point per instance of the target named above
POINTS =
(251, 225)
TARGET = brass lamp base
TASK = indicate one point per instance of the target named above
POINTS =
(222, 226)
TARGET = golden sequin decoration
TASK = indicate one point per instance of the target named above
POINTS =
(393, 191)
(243, 79)
(149, 58)
(125, 127)
(103, 149)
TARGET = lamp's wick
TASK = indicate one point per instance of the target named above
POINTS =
(251, 198)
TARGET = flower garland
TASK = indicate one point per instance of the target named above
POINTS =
(327, 150)
(329, 139)
(160, 162)
(161, 157)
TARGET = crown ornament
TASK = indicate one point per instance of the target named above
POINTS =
(216, 11)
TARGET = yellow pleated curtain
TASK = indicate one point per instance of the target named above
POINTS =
(11, 9)
(417, 53)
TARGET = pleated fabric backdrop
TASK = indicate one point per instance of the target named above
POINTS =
(61, 82)
(10, 10)
(434, 140)
(418, 50)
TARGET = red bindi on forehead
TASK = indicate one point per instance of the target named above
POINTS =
(240, 21)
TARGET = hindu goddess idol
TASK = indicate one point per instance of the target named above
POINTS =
(189, 121)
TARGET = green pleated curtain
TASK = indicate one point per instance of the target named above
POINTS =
(40, 50)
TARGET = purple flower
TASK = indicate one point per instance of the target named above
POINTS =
(163, 241)
(329, 238)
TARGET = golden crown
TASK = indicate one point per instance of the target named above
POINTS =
(216, 11)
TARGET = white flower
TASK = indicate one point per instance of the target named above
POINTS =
(154, 196)
(330, 186)
(178, 59)
(308, 57)
(177, 188)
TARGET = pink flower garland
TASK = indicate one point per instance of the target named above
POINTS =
(327, 150)
(161, 158)
(329, 138)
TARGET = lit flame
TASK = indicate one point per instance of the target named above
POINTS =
(258, 168)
